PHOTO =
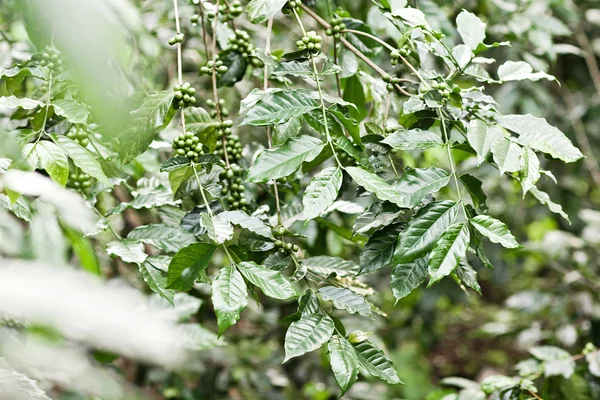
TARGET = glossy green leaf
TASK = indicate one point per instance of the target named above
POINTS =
(417, 183)
(379, 250)
(283, 132)
(168, 238)
(251, 223)
(448, 252)
(72, 110)
(307, 334)
(284, 160)
(471, 29)
(187, 264)
(219, 230)
(424, 230)
(468, 276)
(261, 10)
(413, 139)
(81, 157)
(474, 186)
(16, 102)
(327, 265)
(507, 155)
(278, 107)
(481, 137)
(345, 299)
(530, 169)
(544, 198)
(321, 192)
(130, 251)
(376, 185)
(520, 70)
(155, 278)
(408, 276)
(229, 296)
(344, 362)
(272, 283)
(376, 362)
(53, 160)
(538, 134)
(494, 230)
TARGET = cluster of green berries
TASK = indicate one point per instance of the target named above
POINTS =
(442, 87)
(240, 43)
(188, 145)
(404, 51)
(218, 66)
(184, 95)
(79, 181)
(290, 6)
(311, 42)
(390, 129)
(391, 81)
(228, 12)
(233, 189)
(337, 26)
(232, 143)
(280, 244)
(346, 159)
(213, 113)
(178, 38)
(51, 59)
(80, 135)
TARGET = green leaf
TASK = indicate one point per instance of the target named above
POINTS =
(413, 139)
(538, 134)
(471, 29)
(16, 102)
(327, 265)
(424, 230)
(507, 155)
(468, 276)
(200, 123)
(283, 132)
(481, 137)
(278, 107)
(417, 183)
(236, 68)
(374, 184)
(379, 250)
(520, 70)
(219, 230)
(544, 198)
(411, 16)
(187, 264)
(406, 277)
(307, 334)
(174, 163)
(251, 223)
(345, 299)
(155, 279)
(494, 230)
(344, 362)
(448, 252)
(261, 10)
(153, 115)
(229, 296)
(81, 157)
(556, 360)
(168, 238)
(376, 362)
(474, 186)
(53, 160)
(284, 160)
(321, 192)
(300, 68)
(272, 283)
(72, 110)
(130, 251)
(530, 169)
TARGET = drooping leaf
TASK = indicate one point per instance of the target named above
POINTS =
(168, 238)
(278, 107)
(307, 334)
(481, 137)
(53, 160)
(468, 276)
(327, 265)
(272, 283)
(283, 132)
(344, 362)
(379, 250)
(219, 230)
(229, 296)
(538, 134)
(447, 253)
(544, 198)
(130, 251)
(474, 186)
(16, 102)
(376, 362)
(345, 299)
(413, 139)
(530, 169)
(520, 70)
(81, 157)
(411, 16)
(507, 155)
(417, 183)
(406, 277)
(376, 185)
(284, 160)
(155, 279)
(424, 230)
(187, 265)
(494, 230)
(261, 10)
(471, 29)
(251, 223)
(299, 68)
(321, 192)
(72, 110)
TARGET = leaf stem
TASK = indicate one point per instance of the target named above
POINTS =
(208, 209)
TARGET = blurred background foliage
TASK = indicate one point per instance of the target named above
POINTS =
(545, 294)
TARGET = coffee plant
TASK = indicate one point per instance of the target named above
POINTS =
(296, 153)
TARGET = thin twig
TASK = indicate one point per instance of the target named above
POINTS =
(590, 57)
